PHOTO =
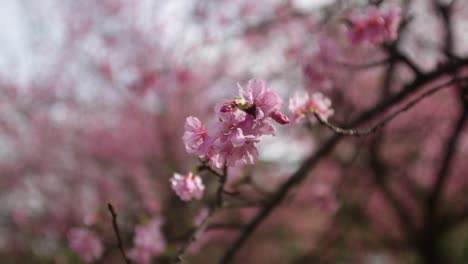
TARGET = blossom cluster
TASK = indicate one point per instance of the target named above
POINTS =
(241, 123)
(230, 140)
(374, 27)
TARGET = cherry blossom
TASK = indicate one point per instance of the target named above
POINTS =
(148, 242)
(195, 136)
(375, 27)
(302, 104)
(187, 187)
(85, 244)
(241, 122)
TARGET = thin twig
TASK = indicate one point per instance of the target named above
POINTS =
(383, 122)
(117, 233)
(363, 66)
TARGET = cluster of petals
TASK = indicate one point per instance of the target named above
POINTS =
(375, 27)
(302, 104)
(187, 187)
(86, 244)
(148, 242)
(240, 124)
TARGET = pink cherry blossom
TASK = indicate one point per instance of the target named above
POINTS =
(301, 104)
(261, 100)
(85, 244)
(148, 242)
(195, 136)
(187, 187)
(240, 124)
(279, 117)
(375, 27)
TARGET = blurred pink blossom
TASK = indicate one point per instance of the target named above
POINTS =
(301, 104)
(375, 27)
(148, 242)
(187, 187)
(85, 244)
(324, 198)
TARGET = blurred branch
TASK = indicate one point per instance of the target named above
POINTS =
(445, 11)
(364, 65)
(117, 233)
(379, 172)
(444, 171)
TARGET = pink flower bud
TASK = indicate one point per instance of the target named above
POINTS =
(187, 187)
(279, 117)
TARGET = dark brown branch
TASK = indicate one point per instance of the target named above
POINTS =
(194, 236)
(379, 175)
(294, 180)
(444, 171)
(309, 163)
(445, 11)
(204, 166)
(383, 122)
(117, 233)
(362, 66)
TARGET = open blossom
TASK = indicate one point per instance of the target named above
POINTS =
(375, 27)
(195, 136)
(240, 124)
(187, 187)
(301, 104)
(148, 242)
(261, 100)
(85, 244)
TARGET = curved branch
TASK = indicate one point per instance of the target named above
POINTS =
(386, 120)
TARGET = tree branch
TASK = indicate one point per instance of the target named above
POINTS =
(383, 122)
(117, 233)
(444, 171)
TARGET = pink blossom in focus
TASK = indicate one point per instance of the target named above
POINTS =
(260, 98)
(148, 242)
(194, 136)
(375, 27)
(241, 123)
(187, 187)
(301, 104)
(85, 244)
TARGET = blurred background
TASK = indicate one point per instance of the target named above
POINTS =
(94, 96)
